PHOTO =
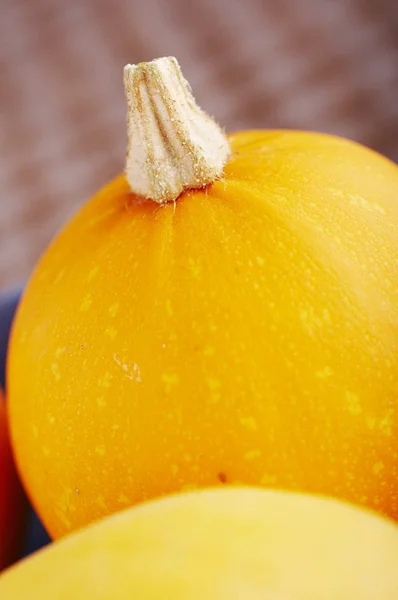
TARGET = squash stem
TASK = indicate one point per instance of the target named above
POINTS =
(172, 144)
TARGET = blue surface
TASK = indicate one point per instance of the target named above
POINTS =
(36, 535)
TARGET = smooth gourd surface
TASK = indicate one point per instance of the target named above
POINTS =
(12, 500)
(239, 544)
(247, 332)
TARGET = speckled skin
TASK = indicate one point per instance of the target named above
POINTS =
(246, 333)
(230, 544)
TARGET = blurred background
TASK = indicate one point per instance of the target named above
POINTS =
(328, 65)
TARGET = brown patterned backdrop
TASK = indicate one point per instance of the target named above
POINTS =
(328, 65)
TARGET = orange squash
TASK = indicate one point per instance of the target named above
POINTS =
(12, 500)
(240, 544)
(242, 332)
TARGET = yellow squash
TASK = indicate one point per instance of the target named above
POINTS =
(240, 544)
(245, 332)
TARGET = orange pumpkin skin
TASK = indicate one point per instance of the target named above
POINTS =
(12, 499)
(247, 333)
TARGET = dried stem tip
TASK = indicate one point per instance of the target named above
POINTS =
(172, 144)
